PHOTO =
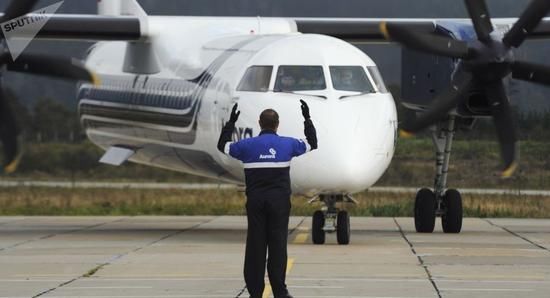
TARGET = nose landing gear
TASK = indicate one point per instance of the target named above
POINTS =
(330, 219)
(445, 203)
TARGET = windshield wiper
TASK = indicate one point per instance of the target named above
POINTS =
(354, 95)
(301, 94)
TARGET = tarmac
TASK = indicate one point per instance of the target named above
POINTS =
(203, 257)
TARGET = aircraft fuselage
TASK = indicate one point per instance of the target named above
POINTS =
(172, 118)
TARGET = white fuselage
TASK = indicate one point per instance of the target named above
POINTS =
(173, 118)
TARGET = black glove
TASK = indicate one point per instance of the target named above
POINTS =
(228, 128)
(305, 110)
(311, 134)
(234, 114)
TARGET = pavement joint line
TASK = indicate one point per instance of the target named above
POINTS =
(391, 280)
(476, 281)
(2, 249)
(118, 256)
(428, 273)
(517, 235)
(290, 232)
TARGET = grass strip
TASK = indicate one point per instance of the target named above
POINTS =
(58, 201)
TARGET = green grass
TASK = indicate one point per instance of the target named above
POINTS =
(52, 201)
(473, 164)
(92, 271)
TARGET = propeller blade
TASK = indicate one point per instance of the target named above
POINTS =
(429, 43)
(531, 72)
(9, 136)
(477, 9)
(61, 67)
(528, 21)
(505, 126)
(442, 104)
(17, 8)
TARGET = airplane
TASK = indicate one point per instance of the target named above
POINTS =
(157, 90)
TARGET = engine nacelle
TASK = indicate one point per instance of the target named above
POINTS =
(425, 76)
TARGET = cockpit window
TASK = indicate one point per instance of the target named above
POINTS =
(377, 77)
(300, 78)
(351, 78)
(256, 79)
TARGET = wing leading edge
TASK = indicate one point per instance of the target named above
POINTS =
(368, 30)
(90, 28)
(133, 28)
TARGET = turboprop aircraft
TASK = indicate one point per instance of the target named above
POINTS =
(156, 90)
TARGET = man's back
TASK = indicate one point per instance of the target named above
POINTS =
(266, 160)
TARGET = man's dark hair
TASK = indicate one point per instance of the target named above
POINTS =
(269, 119)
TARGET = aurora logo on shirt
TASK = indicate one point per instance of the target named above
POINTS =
(272, 155)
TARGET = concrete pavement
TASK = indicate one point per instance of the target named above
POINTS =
(203, 256)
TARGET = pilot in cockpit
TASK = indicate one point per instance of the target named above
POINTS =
(343, 79)
(346, 78)
(287, 83)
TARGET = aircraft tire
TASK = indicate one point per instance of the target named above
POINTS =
(451, 220)
(343, 230)
(317, 232)
(424, 211)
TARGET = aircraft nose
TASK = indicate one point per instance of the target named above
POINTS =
(354, 141)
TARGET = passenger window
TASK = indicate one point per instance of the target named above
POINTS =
(377, 78)
(256, 79)
(300, 78)
(351, 78)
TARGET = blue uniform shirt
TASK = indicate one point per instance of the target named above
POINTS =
(266, 159)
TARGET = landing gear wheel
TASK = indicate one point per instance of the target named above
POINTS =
(318, 223)
(424, 211)
(451, 220)
(343, 228)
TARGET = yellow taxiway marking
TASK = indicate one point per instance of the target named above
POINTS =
(300, 238)
(267, 290)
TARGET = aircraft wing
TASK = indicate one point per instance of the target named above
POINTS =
(368, 30)
(131, 28)
(90, 27)
(109, 28)
(357, 30)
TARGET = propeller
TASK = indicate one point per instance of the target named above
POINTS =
(484, 62)
(46, 65)
(17, 8)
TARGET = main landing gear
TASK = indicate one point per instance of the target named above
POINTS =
(443, 202)
(331, 219)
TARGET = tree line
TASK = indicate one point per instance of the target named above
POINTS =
(47, 120)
